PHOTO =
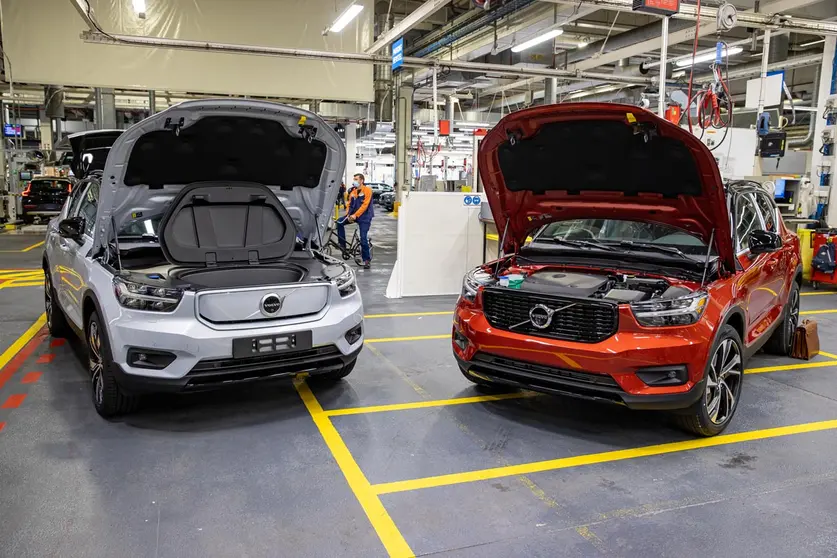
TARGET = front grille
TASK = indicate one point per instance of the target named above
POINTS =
(212, 372)
(587, 321)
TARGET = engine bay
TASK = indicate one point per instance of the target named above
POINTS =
(616, 288)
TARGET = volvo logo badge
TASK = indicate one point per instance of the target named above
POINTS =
(541, 315)
(271, 304)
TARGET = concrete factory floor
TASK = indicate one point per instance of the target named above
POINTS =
(403, 456)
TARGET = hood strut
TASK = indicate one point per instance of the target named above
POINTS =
(502, 244)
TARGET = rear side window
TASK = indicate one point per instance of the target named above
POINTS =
(87, 207)
(768, 211)
(747, 220)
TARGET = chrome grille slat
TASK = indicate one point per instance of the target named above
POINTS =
(588, 321)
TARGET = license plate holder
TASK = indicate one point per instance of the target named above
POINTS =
(247, 347)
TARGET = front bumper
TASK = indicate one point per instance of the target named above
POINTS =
(572, 383)
(204, 353)
(610, 370)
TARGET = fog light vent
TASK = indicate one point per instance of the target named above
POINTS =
(149, 358)
(354, 334)
(460, 340)
(664, 375)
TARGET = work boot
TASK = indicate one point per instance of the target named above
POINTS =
(367, 264)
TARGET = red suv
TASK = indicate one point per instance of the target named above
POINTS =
(647, 282)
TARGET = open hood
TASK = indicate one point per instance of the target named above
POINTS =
(225, 142)
(90, 150)
(594, 160)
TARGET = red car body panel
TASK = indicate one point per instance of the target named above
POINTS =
(749, 292)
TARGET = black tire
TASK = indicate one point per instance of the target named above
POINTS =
(357, 254)
(698, 419)
(108, 398)
(334, 375)
(781, 341)
(56, 320)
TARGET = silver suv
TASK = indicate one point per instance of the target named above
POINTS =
(184, 257)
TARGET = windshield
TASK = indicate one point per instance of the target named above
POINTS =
(143, 226)
(616, 232)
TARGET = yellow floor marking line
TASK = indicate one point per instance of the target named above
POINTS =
(784, 367)
(425, 404)
(815, 293)
(411, 314)
(37, 245)
(384, 526)
(810, 312)
(21, 342)
(829, 355)
(415, 338)
(603, 457)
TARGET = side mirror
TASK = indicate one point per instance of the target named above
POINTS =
(71, 228)
(762, 242)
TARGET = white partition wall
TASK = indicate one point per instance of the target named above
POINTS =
(440, 237)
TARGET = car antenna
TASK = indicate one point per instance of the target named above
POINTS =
(706, 262)
(116, 243)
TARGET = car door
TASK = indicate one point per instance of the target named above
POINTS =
(57, 245)
(73, 271)
(776, 277)
(753, 281)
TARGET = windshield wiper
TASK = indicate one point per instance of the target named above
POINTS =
(631, 245)
(581, 243)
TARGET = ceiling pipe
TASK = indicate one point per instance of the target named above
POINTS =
(754, 69)
(416, 16)
(745, 19)
(409, 61)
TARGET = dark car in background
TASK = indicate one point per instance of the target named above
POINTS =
(44, 197)
(387, 200)
(378, 188)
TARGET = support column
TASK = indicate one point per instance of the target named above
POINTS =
(351, 152)
(152, 102)
(661, 103)
(105, 108)
(403, 135)
(450, 108)
(550, 91)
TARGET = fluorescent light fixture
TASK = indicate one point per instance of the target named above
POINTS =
(686, 62)
(341, 22)
(537, 40)
(139, 7)
(812, 43)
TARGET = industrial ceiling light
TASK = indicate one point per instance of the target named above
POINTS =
(343, 20)
(139, 8)
(537, 40)
(686, 62)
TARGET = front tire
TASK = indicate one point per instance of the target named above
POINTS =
(108, 398)
(712, 413)
(781, 342)
(56, 320)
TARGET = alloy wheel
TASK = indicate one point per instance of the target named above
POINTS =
(793, 319)
(94, 344)
(723, 381)
(48, 298)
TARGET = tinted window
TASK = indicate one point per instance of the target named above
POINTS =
(49, 186)
(87, 207)
(78, 193)
(768, 211)
(746, 220)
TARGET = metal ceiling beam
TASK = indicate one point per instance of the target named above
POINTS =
(424, 11)
(768, 17)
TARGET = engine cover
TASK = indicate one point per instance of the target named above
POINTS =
(566, 283)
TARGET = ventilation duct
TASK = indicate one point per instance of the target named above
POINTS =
(382, 73)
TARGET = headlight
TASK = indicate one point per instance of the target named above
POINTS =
(684, 310)
(473, 280)
(346, 282)
(146, 297)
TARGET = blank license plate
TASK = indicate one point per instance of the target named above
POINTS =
(269, 344)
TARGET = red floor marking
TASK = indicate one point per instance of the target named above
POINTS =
(30, 378)
(14, 365)
(45, 359)
(2, 426)
(57, 342)
(14, 401)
